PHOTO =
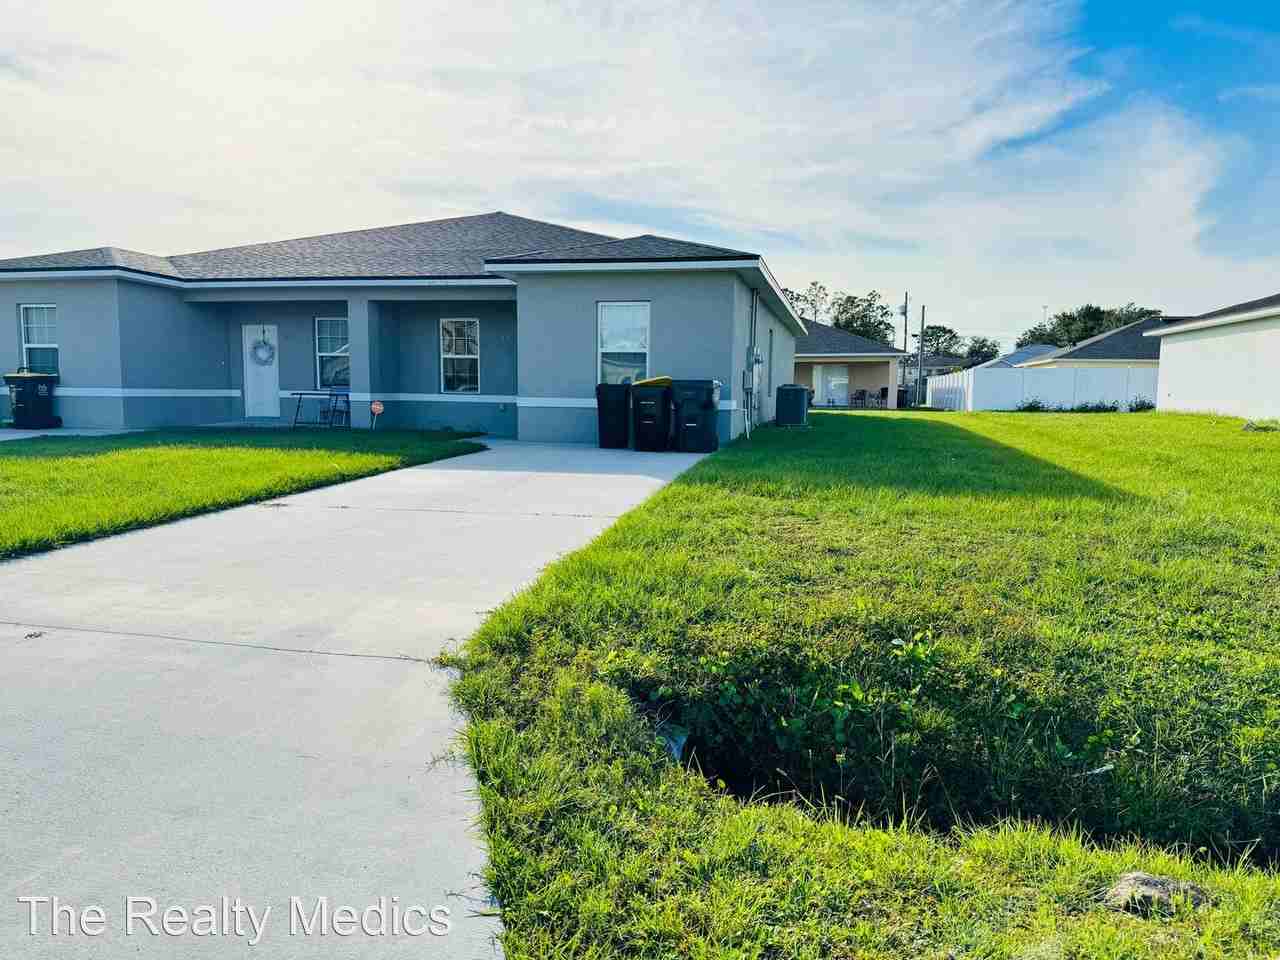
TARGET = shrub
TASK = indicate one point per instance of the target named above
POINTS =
(1034, 405)
(1099, 406)
(1141, 404)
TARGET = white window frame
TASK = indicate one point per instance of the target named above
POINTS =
(315, 347)
(648, 333)
(22, 328)
(458, 356)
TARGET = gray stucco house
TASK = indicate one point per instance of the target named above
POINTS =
(492, 322)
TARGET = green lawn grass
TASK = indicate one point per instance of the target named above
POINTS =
(1046, 642)
(58, 490)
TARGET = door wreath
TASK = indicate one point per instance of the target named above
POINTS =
(263, 352)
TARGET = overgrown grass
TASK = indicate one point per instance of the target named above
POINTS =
(960, 618)
(58, 490)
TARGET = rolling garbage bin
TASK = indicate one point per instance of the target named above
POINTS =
(793, 405)
(613, 410)
(651, 416)
(697, 414)
(31, 399)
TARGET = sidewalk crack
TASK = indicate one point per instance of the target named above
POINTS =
(217, 643)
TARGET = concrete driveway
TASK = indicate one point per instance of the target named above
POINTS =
(240, 705)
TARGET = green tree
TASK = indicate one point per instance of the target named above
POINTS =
(811, 303)
(867, 316)
(981, 349)
(940, 339)
(1072, 326)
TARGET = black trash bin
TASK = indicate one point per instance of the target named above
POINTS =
(613, 410)
(697, 415)
(31, 399)
(651, 417)
(792, 405)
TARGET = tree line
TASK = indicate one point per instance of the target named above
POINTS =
(868, 315)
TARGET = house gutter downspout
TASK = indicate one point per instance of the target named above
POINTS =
(749, 374)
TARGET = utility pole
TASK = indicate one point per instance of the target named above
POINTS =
(920, 361)
(905, 310)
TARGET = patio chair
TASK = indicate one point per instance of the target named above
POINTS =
(859, 399)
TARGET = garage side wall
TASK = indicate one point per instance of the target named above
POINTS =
(1229, 369)
(89, 386)
(691, 336)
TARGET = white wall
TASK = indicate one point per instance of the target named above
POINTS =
(1001, 388)
(1232, 369)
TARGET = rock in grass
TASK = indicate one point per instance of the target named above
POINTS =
(1145, 894)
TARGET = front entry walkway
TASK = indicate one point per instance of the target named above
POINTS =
(241, 704)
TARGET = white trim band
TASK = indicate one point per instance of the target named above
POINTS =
(156, 280)
(584, 403)
(429, 397)
(620, 266)
(835, 357)
(127, 392)
(1263, 314)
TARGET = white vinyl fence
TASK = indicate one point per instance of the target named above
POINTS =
(1002, 388)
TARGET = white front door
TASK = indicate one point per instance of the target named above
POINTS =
(261, 370)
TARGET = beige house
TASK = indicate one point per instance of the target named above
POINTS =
(846, 370)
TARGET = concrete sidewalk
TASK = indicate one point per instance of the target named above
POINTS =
(240, 704)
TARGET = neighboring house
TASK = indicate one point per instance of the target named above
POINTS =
(1030, 352)
(1224, 361)
(934, 364)
(836, 364)
(491, 322)
(1123, 346)
(1116, 368)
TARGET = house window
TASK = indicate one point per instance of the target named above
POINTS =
(333, 353)
(39, 337)
(460, 356)
(623, 341)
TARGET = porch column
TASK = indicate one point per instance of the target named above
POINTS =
(362, 328)
(893, 384)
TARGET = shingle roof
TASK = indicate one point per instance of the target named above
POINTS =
(1122, 343)
(455, 247)
(825, 339)
(1247, 307)
(1030, 352)
(645, 247)
(96, 257)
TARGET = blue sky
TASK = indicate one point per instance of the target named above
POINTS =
(991, 156)
(1220, 64)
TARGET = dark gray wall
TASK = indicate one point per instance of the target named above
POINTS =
(419, 344)
(496, 419)
(167, 342)
(297, 351)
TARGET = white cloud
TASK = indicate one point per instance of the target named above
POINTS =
(864, 144)
(1267, 92)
